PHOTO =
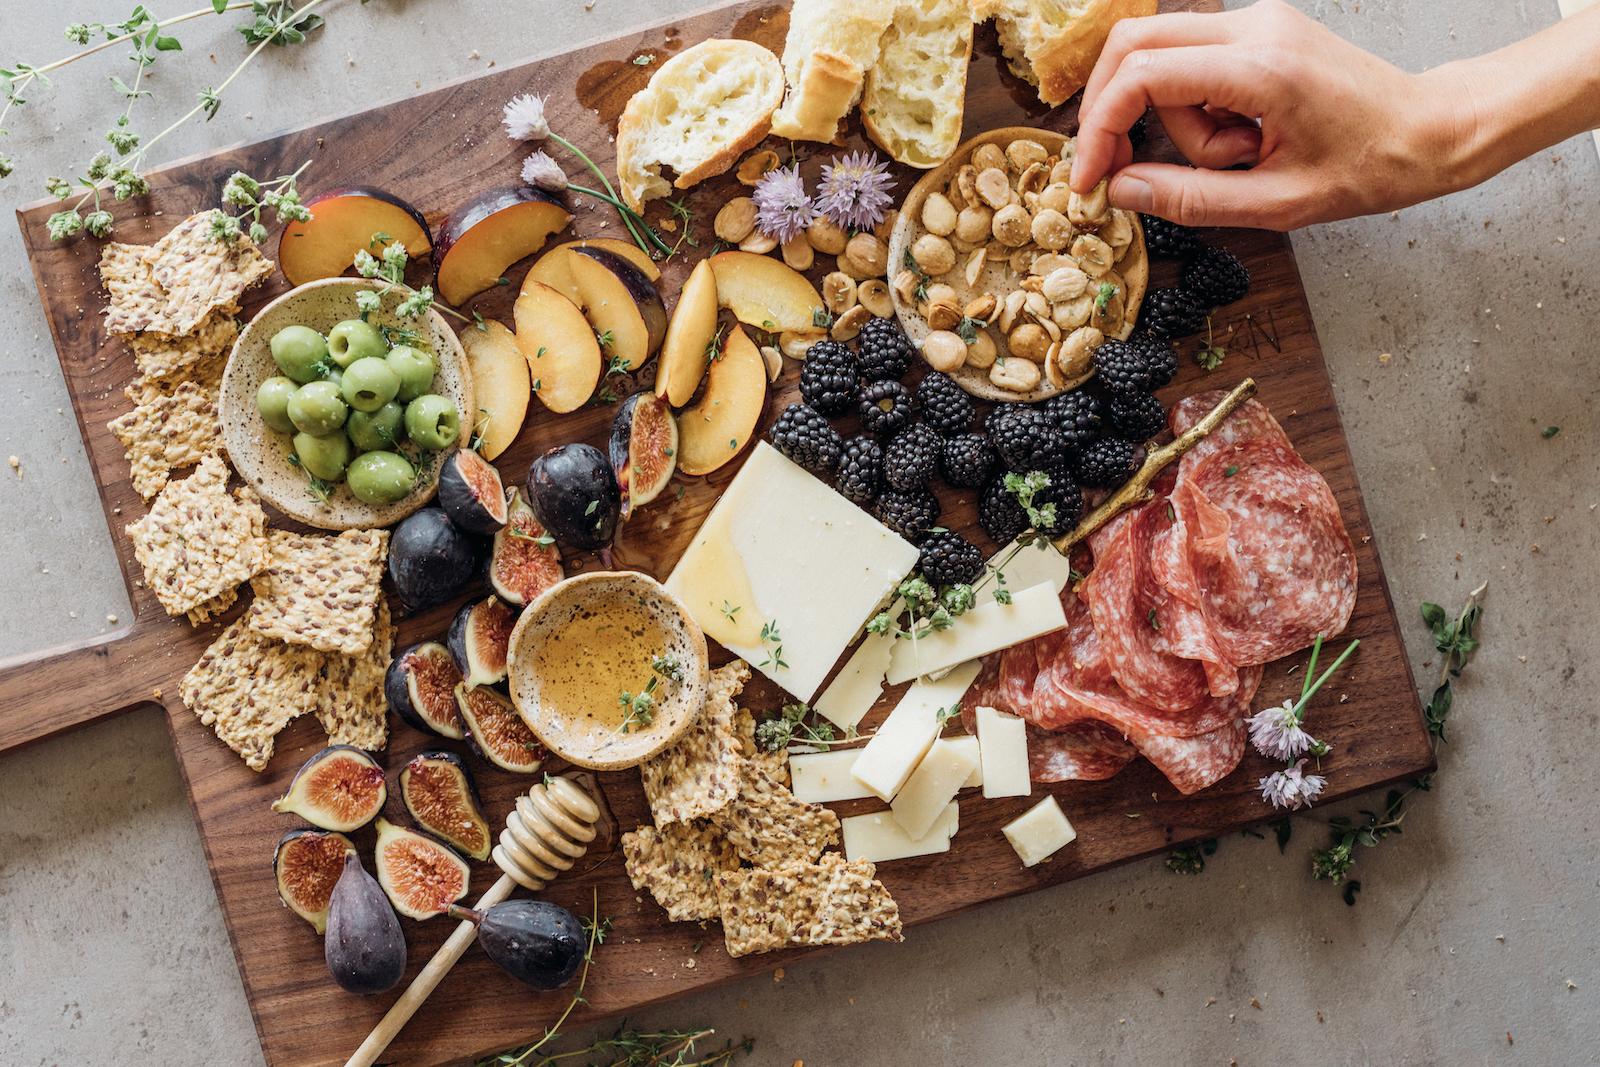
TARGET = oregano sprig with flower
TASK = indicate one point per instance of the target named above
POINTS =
(389, 266)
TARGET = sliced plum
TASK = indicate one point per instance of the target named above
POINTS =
(420, 686)
(479, 636)
(307, 865)
(524, 561)
(421, 876)
(442, 798)
(496, 732)
(341, 788)
(471, 494)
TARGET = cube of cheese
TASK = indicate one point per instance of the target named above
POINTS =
(931, 786)
(877, 837)
(1003, 749)
(968, 743)
(985, 629)
(908, 733)
(1040, 832)
(824, 777)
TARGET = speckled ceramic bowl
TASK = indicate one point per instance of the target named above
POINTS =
(261, 454)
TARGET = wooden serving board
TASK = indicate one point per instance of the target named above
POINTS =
(437, 149)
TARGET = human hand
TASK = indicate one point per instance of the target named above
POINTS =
(1340, 132)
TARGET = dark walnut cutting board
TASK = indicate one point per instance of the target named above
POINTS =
(437, 149)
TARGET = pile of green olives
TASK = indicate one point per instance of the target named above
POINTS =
(349, 400)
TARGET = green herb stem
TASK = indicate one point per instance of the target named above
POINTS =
(628, 215)
(581, 154)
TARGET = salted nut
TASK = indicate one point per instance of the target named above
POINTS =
(1093, 254)
(1022, 154)
(1118, 233)
(1030, 342)
(885, 227)
(905, 286)
(839, 293)
(1023, 259)
(826, 236)
(1012, 226)
(944, 350)
(975, 262)
(943, 315)
(1063, 284)
(759, 243)
(868, 254)
(798, 253)
(1018, 375)
(1051, 230)
(873, 295)
(1061, 170)
(756, 166)
(994, 188)
(981, 353)
(973, 223)
(736, 220)
(796, 343)
(1011, 309)
(1057, 196)
(939, 291)
(1077, 351)
(1073, 313)
(1090, 209)
(939, 215)
(849, 324)
(1046, 265)
(933, 254)
(982, 307)
(1034, 179)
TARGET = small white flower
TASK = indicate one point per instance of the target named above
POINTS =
(1276, 732)
(525, 119)
(544, 172)
(1291, 788)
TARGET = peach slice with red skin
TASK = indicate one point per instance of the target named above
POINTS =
(718, 427)
(764, 292)
(622, 305)
(563, 356)
(685, 351)
(552, 269)
(344, 222)
(490, 232)
(501, 384)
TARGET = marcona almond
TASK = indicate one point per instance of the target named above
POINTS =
(869, 254)
(1012, 226)
(1011, 309)
(1052, 368)
(944, 350)
(966, 248)
(848, 266)
(1093, 255)
(939, 215)
(1036, 305)
(1118, 233)
(988, 156)
(1051, 230)
(1077, 351)
(798, 253)
(967, 183)
(1023, 259)
(973, 223)
(839, 292)
(1029, 341)
(849, 324)
(1057, 196)
(736, 220)
(1091, 208)
(1048, 264)
(975, 264)
(1061, 170)
(905, 287)
(826, 237)
(873, 295)
(943, 315)
(1033, 180)
(1032, 284)
(1017, 375)
(941, 291)
(756, 165)
(1066, 283)
(982, 307)
(1108, 319)
(1052, 329)
(759, 243)
(1030, 201)
(1022, 154)
(1074, 313)
(981, 353)
(774, 361)
(933, 254)
(994, 188)
(796, 343)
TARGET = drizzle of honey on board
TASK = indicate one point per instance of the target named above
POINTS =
(585, 665)
(716, 587)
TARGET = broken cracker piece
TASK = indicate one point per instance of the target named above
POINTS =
(828, 903)
(699, 775)
(677, 865)
(320, 591)
(165, 433)
(248, 688)
(775, 764)
(137, 302)
(353, 709)
(163, 358)
(200, 273)
(769, 827)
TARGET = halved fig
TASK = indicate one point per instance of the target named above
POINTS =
(344, 222)
(421, 876)
(490, 232)
(442, 798)
(340, 788)
(525, 561)
(365, 948)
(471, 494)
(478, 639)
(644, 448)
(421, 688)
(496, 732)
(308, 864)
(534, 941)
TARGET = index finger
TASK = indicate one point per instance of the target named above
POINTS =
(1176, 30)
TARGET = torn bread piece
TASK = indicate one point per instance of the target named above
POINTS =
(914, 96)
(200, 272)
(320, 591)
(829, 49)
(1053, 44)
(699, 776)
(828, 903)
(678, 865)
(248, 687)
(353, 709)
(165, 433)
(769, 827)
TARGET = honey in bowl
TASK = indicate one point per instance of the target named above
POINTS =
(607, 669)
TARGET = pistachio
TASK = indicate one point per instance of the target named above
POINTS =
(938, 215)
(1051, 230)
(1030, 342)
(1013, 227)
(1091, 208)
(838, 292)
(975, 263)
(988, 156)
(759, 243)
(735, 220)
(869, 254)
(826, 237)
(1093, 255)
(944, 350)
(873, 295)
(973, 223)
(1022, 154)
(1066, 283)
(756, 165)
(1017, 375)
(849, 324)
(981, 353)
(798, 253)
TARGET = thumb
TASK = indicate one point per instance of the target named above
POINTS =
(1194, 197)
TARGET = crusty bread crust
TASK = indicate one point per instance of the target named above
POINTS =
(923, 61)
(1054, 44)
(815, 110)
(830, 47)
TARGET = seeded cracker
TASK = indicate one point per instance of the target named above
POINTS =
(775, 764)
(206, 375)
(677, 865)
(164, 358)
(248, 688)
(137, 301)
(353, 710)
(198, 541)
(770, 828)
(167, 432)
(699, 775)
(320, 591)
(200, 273)
(829, 903)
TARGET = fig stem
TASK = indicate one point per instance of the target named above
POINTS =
(456, 911)
(430, 977)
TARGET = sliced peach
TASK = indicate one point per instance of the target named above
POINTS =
(500, 383)
(343, 222)
(717, 428)
(563, 356)
(764, 292)
(685, 352)
(622, 304)
(551, 268)
(490, 232)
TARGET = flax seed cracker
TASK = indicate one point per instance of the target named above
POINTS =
(248, 687)
(164, 433)
(827, 903)
(353, 710)
(200, 272)
(163, 358)
(772, 829)
(320, 591)
(137, 302)
(699, 775)
(775, 764)
(677, 865)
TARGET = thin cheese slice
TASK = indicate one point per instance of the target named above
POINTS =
(1025, 567)
(878, 838)
(908, 732)
(824, 777)
(852, 693)
(968, 743)
(1040, 832)
(984, 629)
(931, 786)
(1003, 748)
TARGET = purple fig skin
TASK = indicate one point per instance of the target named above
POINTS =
(365, 947)
(646, 297)
(399, 689)
(430, 559)
(534, 941)
(463, 505)
(575, 495)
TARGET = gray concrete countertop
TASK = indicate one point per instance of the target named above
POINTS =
(1472, 940)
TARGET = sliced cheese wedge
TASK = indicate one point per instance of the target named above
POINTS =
(1003, 745)
(908, 733)
(931, 786)
(878, 837)
(968, 743)
(824, 777)
(855, 689)
(1025, 567)
(985, 629)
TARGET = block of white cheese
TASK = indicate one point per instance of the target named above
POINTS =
(908, 732)
(968, 743)
(857, 687)
(1003, 749)
(785, 571)
(983, 630)
(931, 786)
(824, 777)
(1025, 566)
(877, 837)
(1039, 832)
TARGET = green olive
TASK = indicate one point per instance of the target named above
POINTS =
(272, 400)
(297, 350)
(354, 339)
(416, 370)
(369, 384)
(433, 422)
(377, 431)
(381, 477)
(316, 408)
(323, 455)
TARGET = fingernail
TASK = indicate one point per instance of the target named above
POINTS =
(1132, 193)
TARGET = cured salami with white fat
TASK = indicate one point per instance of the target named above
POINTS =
(1085, 751)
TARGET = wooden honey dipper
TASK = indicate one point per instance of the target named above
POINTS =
(545, 834)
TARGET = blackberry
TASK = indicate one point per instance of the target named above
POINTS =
(883, 352)
(1078, 415)
(828, 378)
(1170, 313)
(910, 513)
(1162, 356)
(1168, 240)
(949, 559)
(1107, 463)
(1136, 418)
(1028, 440)
(804, 436)
(997, 418)
(1122, 368)
(1217, 277)
(1000, 514)
(944, 405)
(912, 457)
(861, 469)
(885, 408)
(1063, 492)
(968, 460)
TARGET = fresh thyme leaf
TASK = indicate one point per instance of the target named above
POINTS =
(1191, 859)
(1210, 355)
(822, 320)
(1550, 431)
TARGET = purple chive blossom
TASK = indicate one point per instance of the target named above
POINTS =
(1292, 789)
(544, 172)
(1276, 732)
(525, 119)
(783, 210)
(855, 190)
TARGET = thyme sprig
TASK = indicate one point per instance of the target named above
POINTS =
(389, 267)
(788, 727)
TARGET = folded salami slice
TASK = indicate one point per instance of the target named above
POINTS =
(1250, 421)
(1192, 763)
(1085, 751)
